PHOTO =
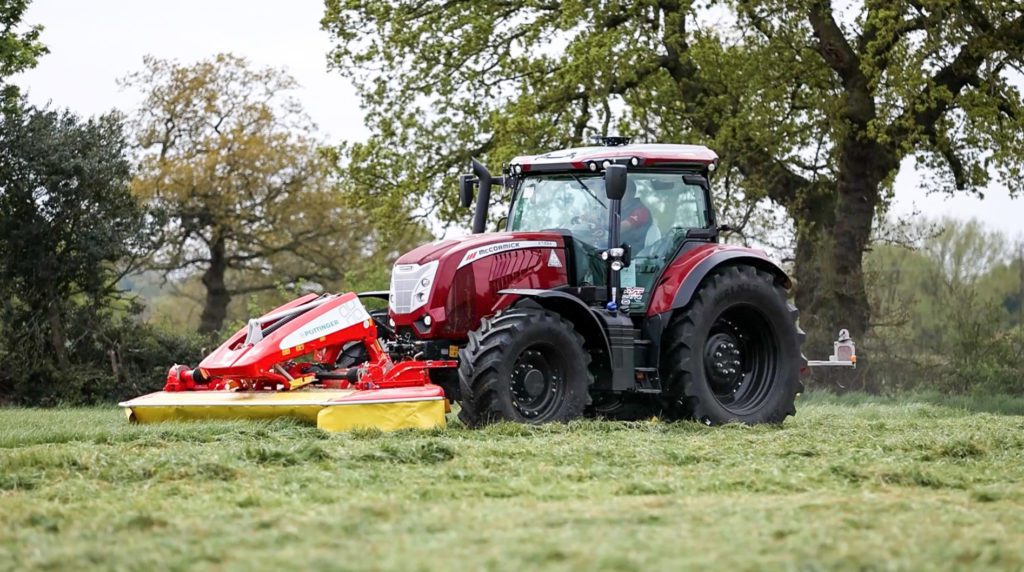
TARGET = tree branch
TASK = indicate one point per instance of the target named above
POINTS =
(938, 95)
(837, 53)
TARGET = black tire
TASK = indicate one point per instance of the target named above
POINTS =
(352, 354)
(733, 353)
(631, 407)
(526, 365)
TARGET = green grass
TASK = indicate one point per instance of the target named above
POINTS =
(918, 483)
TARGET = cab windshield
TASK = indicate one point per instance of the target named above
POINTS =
(657, 211)
(569, 202)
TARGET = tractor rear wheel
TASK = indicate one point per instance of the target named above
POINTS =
(733, 353)
(526, 365)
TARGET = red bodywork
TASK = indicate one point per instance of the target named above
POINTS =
(679, 270)
(464, 293)
(284, 356)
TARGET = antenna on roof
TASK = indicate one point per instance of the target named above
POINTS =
(610, 140)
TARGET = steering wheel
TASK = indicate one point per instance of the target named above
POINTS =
(588, 228)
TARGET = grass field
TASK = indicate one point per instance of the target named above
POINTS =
(850, 483)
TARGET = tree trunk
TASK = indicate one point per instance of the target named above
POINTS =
(58, 339)
(862, 168)
(814, 219)
(217, 296)
(832, 236)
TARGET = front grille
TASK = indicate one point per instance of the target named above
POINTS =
(405, 283)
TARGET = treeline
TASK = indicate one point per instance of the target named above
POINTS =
(948, 311)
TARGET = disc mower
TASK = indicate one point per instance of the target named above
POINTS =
(606, 293)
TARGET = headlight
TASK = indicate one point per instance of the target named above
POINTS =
(410, 286)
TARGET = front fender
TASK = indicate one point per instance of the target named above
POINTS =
(572, 309)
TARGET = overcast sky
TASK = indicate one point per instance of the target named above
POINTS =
(93, 44)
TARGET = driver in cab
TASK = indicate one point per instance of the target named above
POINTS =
(635, 217)
(635, 222)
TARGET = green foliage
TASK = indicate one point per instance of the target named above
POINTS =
(851, 482)
(19, 50)
(945, 312)
(762, 84)
(66, 219)
(113, 359)
(66, 213)
(69, 230)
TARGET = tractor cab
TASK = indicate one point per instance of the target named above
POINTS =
(659, 210)
(649, 313)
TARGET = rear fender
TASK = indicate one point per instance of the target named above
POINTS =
(747, 257)
(573, 309)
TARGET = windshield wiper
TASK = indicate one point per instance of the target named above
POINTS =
(589, 192)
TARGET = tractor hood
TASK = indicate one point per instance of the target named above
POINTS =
(444, 288)
(481, 245)
(426, 252)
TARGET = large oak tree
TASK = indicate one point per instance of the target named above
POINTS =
(810, 106)
(246, 190)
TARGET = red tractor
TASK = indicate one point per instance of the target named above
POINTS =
(608, 293)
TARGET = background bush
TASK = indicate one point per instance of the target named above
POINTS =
(947, 313)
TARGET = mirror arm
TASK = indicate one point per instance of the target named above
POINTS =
(614, 280)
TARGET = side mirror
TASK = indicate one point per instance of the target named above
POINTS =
(615, 182)
(465, 191)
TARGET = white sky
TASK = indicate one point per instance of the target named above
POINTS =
(92, 44)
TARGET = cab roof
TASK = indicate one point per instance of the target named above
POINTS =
(593, 158)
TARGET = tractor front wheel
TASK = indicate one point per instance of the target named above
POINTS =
(526, 365)
(733, 353)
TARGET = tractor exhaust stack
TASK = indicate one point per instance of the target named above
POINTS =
(483, 198)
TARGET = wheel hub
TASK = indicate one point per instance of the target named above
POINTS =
(534, 383)
(723, 361)
(741, 359)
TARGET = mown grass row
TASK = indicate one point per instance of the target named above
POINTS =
(912, 483)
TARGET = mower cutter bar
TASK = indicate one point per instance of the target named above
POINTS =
(422, 407)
